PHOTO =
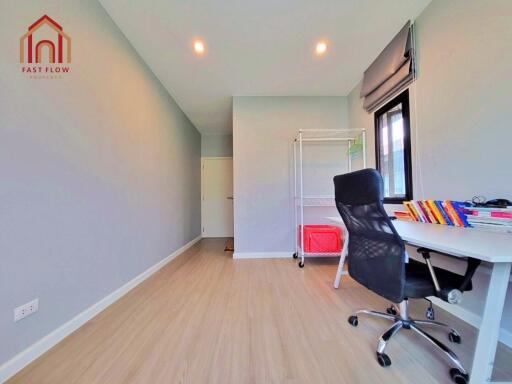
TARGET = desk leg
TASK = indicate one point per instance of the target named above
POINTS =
(488, 334)
(343, 255)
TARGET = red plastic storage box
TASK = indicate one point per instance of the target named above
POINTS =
(321, 239)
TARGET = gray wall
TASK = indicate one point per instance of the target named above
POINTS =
(263, 132)
(460, 111)
(216, 145)
(100, 172)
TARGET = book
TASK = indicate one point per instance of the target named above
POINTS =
(459, 209)
(433, 208)
(474, 211)
(488, 209)
(403, 215)
(439, 206)
(452, 214)
(430, 217)
(421, 213)
(408, 206)
(416, 211)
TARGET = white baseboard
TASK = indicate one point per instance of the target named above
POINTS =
(22, 359)
(262, 255)
(471, 318)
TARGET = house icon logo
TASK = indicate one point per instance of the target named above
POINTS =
(45, 45)
(45, 50)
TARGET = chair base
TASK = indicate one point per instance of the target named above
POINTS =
(402, 321)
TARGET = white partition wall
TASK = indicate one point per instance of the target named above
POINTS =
(263, 133)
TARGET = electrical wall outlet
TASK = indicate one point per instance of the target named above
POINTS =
(26, 310)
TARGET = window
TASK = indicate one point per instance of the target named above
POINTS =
(393, 149)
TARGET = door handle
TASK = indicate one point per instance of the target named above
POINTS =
(230, 198)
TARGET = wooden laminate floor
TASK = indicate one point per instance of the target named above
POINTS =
(206, 318)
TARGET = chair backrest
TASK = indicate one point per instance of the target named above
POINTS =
(376, 253)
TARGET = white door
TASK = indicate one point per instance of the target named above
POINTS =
(217, 196)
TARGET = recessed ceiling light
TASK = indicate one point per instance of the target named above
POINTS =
(321, 48)
(199, 47)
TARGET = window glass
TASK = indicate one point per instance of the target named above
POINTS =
(393, 154)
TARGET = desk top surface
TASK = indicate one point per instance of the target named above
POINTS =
(463, 242)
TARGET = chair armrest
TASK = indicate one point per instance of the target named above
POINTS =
(451, 295)
(425, 252)
(470, 271)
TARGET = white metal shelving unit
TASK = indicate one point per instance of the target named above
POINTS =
(302, 201)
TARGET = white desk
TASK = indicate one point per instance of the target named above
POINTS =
(495, 248)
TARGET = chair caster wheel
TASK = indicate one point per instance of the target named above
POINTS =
(458, 377)
(301, 264)
(454, 337)
(391, 311)
(430, 314)
(353, 321)
(383, 359)
(295, 255)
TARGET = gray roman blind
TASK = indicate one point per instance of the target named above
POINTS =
(391, 71)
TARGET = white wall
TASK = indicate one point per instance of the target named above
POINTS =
(263, 132)
(99, 170)
(216, 145)
(460, 112)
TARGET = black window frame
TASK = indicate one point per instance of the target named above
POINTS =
(402, 98)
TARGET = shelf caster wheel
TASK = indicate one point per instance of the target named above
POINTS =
(353, 321)
(458, 377)
(454, 337)
(301, 264)
(383, 359)
(391, 311)
(295, 255)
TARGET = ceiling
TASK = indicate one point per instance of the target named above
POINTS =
(263, 47)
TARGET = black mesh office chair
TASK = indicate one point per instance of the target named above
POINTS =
(377, 259)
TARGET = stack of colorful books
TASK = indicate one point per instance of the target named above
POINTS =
(496, 219)
(446, 212)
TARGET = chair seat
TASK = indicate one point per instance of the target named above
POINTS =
(419, 283)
